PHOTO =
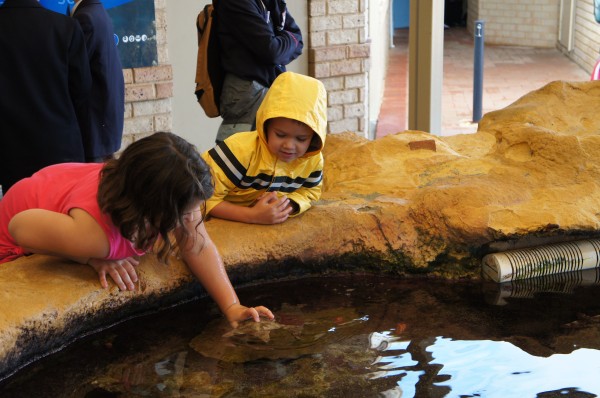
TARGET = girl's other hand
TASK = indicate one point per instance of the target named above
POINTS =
(237, 312)
(122, 272)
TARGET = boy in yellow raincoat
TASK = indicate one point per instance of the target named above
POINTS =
(268, 175)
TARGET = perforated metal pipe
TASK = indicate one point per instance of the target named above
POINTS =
(542, 260)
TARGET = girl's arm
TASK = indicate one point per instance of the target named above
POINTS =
(203, 259)
(75, 236)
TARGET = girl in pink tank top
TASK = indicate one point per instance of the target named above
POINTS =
(106, 215)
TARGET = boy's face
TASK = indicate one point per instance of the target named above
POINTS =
(288, 139)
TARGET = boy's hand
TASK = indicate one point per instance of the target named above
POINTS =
(122, 272)
(237, 312)
(269, 209)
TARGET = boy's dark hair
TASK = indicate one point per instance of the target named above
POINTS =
(148, 188)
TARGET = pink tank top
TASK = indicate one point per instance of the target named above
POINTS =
(60, 188)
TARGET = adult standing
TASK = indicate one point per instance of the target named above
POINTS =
(258, 39)
(103, 135)
(44, 86)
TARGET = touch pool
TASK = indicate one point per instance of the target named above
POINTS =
(347, 336)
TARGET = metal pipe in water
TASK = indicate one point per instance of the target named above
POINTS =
(542, 260)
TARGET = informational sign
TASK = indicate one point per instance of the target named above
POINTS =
(134, 24)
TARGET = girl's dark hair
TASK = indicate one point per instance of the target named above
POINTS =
(148, 188)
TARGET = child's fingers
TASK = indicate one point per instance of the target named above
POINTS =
(116, 277)
(133, 261)
(124, 275)
(128, 265)
(254, 314)
(264, 311)
(103, 281)
(127, 279)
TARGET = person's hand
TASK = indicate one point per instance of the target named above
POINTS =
(122, 272)
(269, 209)
(237, 313)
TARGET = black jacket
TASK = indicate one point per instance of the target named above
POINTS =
(44, 87)
(258, 38)
(102, 136)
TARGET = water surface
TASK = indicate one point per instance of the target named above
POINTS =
(347, 336)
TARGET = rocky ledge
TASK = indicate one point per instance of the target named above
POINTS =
(409, 203)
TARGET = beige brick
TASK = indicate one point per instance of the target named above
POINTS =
(343, 125)
(139, 92)
(363, 94)
(318, 24)
(153, 74)
(347, 36)
(355, 81)
(128, 110)
(137, 125)
(333, 83)
(366, 64)
(317, 8)
(342, 6)
(319, 70)
(354, 110)
(359, 50)
(363, 36)
(335, 113)
(317, 39)
(163, 122)
(362, 127)
(145, 108)
(347, 67)
(342, 97)
(353, 21)
(162, 55)
(164, 90)
(128, 76)
(324, 54)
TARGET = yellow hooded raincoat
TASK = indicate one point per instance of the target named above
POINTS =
(244, 168)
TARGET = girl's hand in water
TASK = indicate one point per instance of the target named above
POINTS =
(122, 272)
(237, 313)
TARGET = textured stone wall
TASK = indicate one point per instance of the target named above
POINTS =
(339, 56)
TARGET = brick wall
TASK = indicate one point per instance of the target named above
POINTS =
(586, 44)
(148, 91)
(339, 56)
(517, 22)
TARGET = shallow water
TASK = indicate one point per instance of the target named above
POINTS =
(347, 336)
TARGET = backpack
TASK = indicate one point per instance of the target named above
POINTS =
(209, 73)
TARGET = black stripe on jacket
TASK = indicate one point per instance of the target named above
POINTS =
(236, 173)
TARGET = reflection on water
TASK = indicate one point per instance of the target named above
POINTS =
(500, 369)
(346, 336)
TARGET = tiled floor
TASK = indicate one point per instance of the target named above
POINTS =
(509, 73)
